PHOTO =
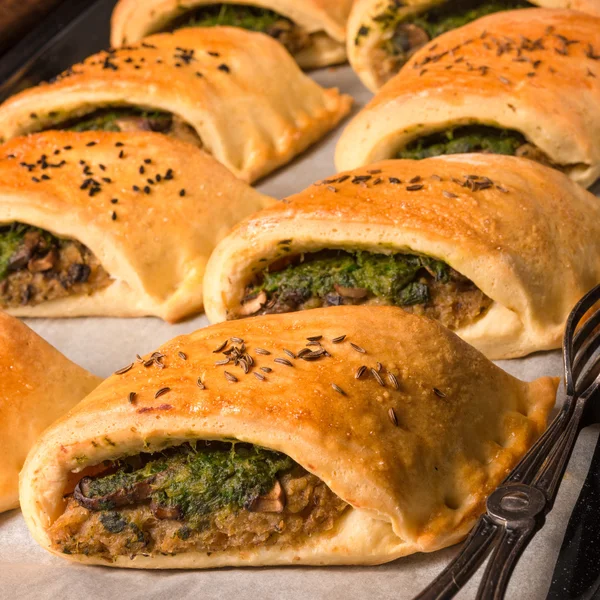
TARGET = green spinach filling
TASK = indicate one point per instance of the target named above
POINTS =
(112, 119)
(192, 480)
(435, 21)
(451, 15)
(462, 140)
(232, 15)
(392, 278)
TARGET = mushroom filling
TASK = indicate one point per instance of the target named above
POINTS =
(132, 119)
(253, 18)
(36, 266)
(198, 497)
(473, 138)
(402, 35)
(418, 284)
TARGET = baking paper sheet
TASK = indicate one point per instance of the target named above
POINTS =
(104, 345)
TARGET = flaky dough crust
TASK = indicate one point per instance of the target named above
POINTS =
(512, 70)
(415, 486)
(360, 47)
(250, 104)
(530, 242)
(132, 20)
(154, 242)
(39, 385)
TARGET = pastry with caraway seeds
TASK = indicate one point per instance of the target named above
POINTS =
(306, 464)
(466, 239)
(384, 34)
(528, 82)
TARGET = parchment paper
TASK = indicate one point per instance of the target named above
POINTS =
(103, 345)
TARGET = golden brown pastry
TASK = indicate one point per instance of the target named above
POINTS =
(497, 248)
(237, 94)
(525, 83)
(384, 34)
(359, 435)
(39, 385)
(111, 224)
(313, 31)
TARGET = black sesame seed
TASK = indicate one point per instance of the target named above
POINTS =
(182, 193)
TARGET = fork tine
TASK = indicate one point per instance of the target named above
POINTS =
(569, 350)
(586, 354)
(585, 330)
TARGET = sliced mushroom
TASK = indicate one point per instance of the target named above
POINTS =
(132, 124)
(253, 305)
(122, 497)
(272, 502)
(79, 273)
(409, 38)
(43, 263)
(22, 255)
(351, 292)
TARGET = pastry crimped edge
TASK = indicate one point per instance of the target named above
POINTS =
(107, 425)
(39, 384)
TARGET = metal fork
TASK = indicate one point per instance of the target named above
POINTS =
(517, 509)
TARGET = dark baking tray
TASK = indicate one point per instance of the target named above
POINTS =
(74, 30)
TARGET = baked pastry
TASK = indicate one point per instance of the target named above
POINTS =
(313, 31)
(468, 240)
(237, 94)
(527, 83)
(111, 224)
(350, 435)
(39, 385)
(384, 34)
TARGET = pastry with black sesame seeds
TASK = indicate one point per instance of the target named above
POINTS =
(253, 109)
(68, 250)
(280, 466)
(384, 34)
(477, 260)
(39, 385)
(523, 83)
(313, 31)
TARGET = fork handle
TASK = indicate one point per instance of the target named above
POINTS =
(465, 563)
(503, 560)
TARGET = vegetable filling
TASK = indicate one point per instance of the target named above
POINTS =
(36, 266)
(202, 497)
(132, 119)
(418, 284)
(253, 18)
(473, 138)
(404, 35)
